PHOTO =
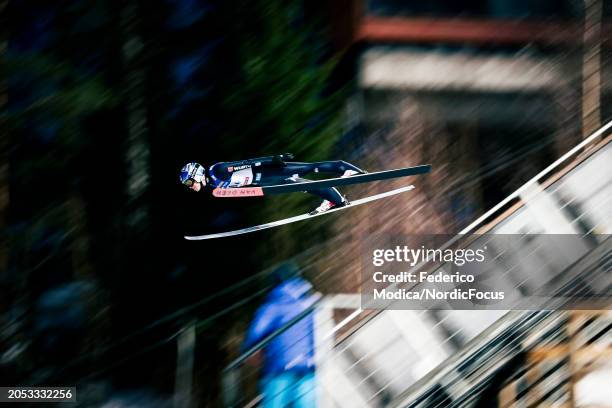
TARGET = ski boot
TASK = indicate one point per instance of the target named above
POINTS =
(327, 205)
(349, 173)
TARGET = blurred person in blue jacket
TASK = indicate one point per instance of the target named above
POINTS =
(288, 368)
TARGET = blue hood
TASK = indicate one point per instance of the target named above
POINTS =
(293, 350)
(289, 291)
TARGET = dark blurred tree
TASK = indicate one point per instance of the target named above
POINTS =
(280, 97)
(4, 188)
(252, 77)
(136, 146)
(53, 85)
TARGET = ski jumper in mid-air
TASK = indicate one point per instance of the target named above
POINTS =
(265, 171)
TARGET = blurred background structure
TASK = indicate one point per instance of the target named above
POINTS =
(103, 101)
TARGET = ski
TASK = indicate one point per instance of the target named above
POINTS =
(319, 184)
(299, 217)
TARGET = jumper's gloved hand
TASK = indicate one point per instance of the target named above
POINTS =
(280, 159)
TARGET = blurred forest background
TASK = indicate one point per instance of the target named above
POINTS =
(103, 101)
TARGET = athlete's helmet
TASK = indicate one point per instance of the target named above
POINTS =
(191, 173)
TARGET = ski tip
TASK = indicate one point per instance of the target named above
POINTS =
(425, 168)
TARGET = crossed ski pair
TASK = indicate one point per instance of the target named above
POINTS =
(312, 185)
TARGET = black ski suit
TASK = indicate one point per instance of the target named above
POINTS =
(265, 171)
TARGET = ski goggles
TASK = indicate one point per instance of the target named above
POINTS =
(191, 181)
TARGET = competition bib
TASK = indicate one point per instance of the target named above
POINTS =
(241, 178)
